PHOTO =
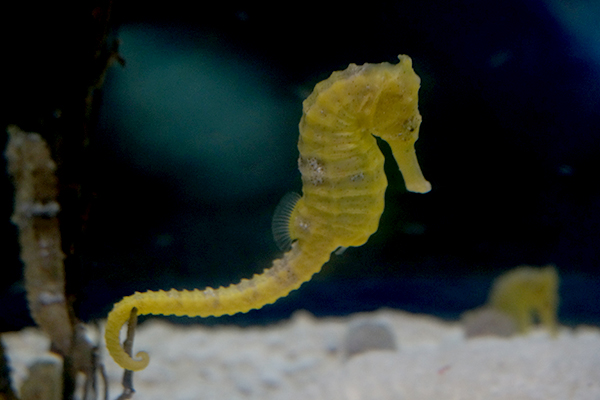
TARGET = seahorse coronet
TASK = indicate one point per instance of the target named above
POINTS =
(342, 193)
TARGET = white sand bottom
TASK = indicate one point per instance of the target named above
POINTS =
(307, 358)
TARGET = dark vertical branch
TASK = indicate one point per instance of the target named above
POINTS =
(104, 380)
(6, 391)
(128, 390)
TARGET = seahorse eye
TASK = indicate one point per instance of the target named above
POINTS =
(411, 124)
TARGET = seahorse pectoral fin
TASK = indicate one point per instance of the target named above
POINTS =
(406, 158)
(280, 225)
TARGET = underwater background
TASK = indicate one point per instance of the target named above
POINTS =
(196, 145)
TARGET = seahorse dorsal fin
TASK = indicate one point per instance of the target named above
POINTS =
(280, 225)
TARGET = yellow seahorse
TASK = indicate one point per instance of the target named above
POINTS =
(343, 185)
(526, 292)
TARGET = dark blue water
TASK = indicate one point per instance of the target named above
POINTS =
(196, 144)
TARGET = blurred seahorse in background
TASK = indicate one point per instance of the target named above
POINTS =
(525, 293)
(343, 185)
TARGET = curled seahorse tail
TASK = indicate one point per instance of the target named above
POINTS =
(285, 275)
(116, 319)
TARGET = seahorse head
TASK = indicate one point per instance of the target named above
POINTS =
(381, 98)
